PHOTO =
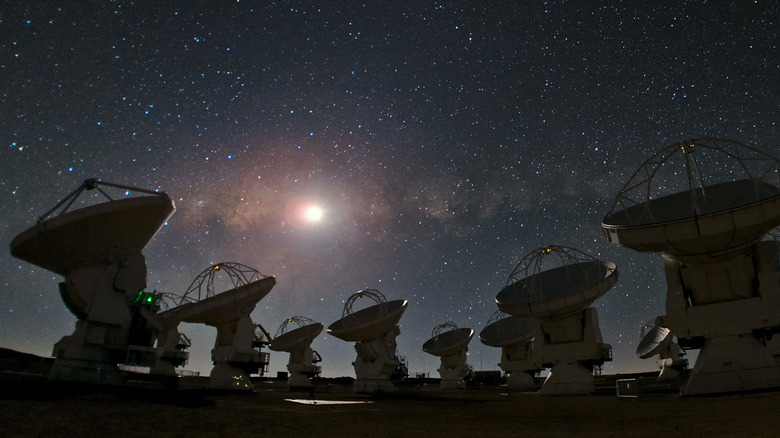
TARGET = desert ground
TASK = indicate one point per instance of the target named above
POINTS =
(45, 409)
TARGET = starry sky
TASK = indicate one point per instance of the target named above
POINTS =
(443, 141)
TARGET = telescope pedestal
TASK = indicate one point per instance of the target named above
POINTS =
(519, 363)
(233, 355)
(568, 378)
(301, 368)
(733, 364)
(98, 295)
(716, 299)
(85, 365)
(453, 369)
(522, 380)
(572, 344)
(376, 360)
(169, 353)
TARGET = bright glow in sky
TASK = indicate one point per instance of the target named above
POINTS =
(314, 213)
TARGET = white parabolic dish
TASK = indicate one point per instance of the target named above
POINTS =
(369, 323)
(297, 339)
(653, 342)
(737, 212)
(558, 291)
(448, 343)
(222, 307)
(512, 330)
(81, 237)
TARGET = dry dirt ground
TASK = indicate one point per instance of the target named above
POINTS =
(38, 410)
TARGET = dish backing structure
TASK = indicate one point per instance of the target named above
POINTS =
(302, 365)
(514, 335)
(451, 345)
(98, 249)
(373, 330)
(557, 285)
(705, 203)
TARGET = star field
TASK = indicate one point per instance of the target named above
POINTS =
(443, 141)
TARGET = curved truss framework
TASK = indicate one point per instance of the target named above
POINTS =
(299, 321)
(495, 317)
(661, 174)
(443, 327)
(203, 285)
(372, 294)
(551, 257)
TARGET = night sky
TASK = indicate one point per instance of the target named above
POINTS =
(443, 141)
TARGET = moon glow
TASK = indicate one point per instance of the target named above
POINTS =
(303, 212)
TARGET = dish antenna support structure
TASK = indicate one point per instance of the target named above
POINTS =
(98, 249)
(451, 345)
(373, 330)
(656, 340)
(722, 289)
(237, 349)
(297, 341)
(514, 335)
(557, 285)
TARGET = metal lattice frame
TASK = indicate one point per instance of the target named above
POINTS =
(168, 300)
(372, 294)
(299, 321)
(546, 258)
(92, 184)
(755, 165)
(203, 285)
(443, 327)
(495, 317)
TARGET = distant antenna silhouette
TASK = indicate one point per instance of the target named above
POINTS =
(705, 203)
(556, 285)
(373, 330)
(451, 344)
(514, 336)
(295, 336)
(97, 248)
(656, 340)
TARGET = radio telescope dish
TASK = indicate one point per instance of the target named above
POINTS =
(450, 343)
(73, 239)
(705, 203)
(303, 360)
(447, 343)
(705, 213)
(373, 330)
(514, 335)
(571, 286)
(300, 337)
(235, 354)
(654, 339)
(202, 304)
(504, 330)
(97, 248)
(556, 285)
(369, 323)
(657, 340)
